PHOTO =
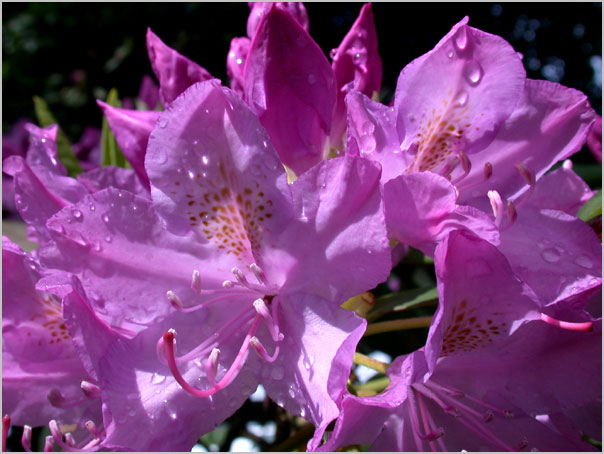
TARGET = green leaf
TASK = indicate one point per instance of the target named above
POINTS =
(401, 301)
(111, 155)
(217, 437)
(591, 208)
(64, 151)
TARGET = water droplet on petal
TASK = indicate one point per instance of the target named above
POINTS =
(291, 392)
(367, 144)
(461, 99)
(157, 379)
(277, 373)
(450, 54)
(461, 38)
(550, 255)
(92, 207)
(473, 72)
(584, 262)
(97, 246)
(106, 219)
(367, 128)
(77, 214)
(239, 61)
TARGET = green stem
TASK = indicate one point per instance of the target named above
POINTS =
(398, 325)
(378, 384)
(300, 437)
(371, 363)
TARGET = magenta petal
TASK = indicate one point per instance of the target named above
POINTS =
(421, 210)
(340, 232)
(481, 299)
(139, 391)
(291, 86)
(116, 177)
(550, 123)
(132, 129)
(37, 353)
(215, 174)
(555, 253)
(457, 96)
(357, 60)
(259, 9)
(240, 47)
(594, 139)
(175, 72)
(119, 249)
(310, 374)
(372, 127)
(148, 93)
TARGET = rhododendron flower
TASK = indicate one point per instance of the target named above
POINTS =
(491, 372)
(248, 255)
(43, 379)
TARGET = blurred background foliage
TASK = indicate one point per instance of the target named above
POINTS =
(71, 54)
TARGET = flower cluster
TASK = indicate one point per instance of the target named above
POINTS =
(227, 255)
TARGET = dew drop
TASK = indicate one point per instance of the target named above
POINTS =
(157, 379)
(108, 239)
(461, 99)
(77, 214)
(367, 128)
(584, 262)
(291, 392)
(367, 144)
(120, 194)
(277, 373)
(461, 38)
(205, 160)
(239, 61)
(450, 54)
(311, 79)
(550, 255)
(191, 174)
(92, 207)
(105, 219)
(473, 72)
(97, 246)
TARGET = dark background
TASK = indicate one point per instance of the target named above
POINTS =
(71, 53)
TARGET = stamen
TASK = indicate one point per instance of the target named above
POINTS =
(487, 170)
(512, 215)
(174, 300)
(222, 297)
(432, 434)
(449, 167)
(571, 326)
(212, 366)
(26, 438)
(414, 421)
(91, 390)
(196, 282)
(69, 439)
(69, 444)
(466, 165)
(49, 444)
(240, 277)
(496, 206)
(228, 284)
(261, 350)
(228, 377)
(262, 310)
(5, 427)
(91, 427)
(530, 179)
(259, 273)
(58, 400)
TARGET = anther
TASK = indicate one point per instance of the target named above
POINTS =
(196, 282)
(259, 273)
(496, 206)
(228, 284)
(450, 166)
(26, 438)
(262, 310)
(49, 444)
(91, 390)
(91, 427)
(530, 179)
(466, 166)
(567, 164)
(512, 215)
(571, 326)
(240, 276)
(261, 350)
(70, 440)
(212, 366)
(174, 300)
(5, 427)
(487, 170)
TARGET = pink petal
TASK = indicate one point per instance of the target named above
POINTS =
(240, 47)
(117, 177)
(594, 139)
(132, 129)
(357, 60)
(215, 175)
(550, 123)
(174, 71)
(422, 209)
(456, 97)
(259, 9)
(291, 86)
